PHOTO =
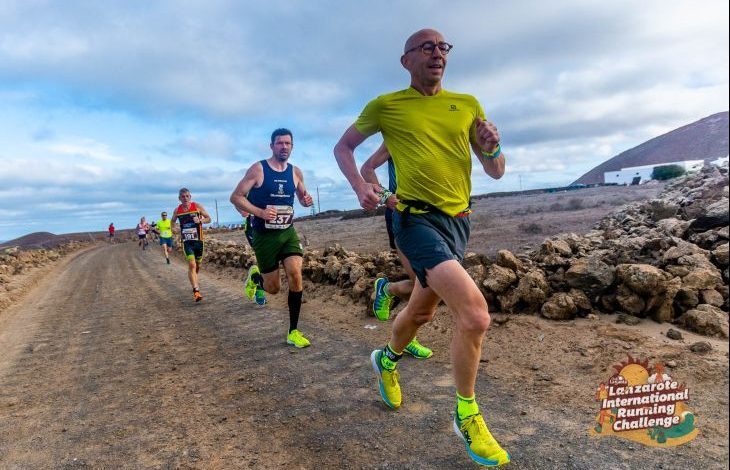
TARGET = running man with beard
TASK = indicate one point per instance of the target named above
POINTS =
(192, 216)
(267, 193)
(430, 133)
(385, 291)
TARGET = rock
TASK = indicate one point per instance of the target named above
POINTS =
(499, 278)
(506, 259)
(673, 227)
(716, 215)
(627, 319)
(687, 298)
(642, 278)
(701, 347)
(720, 255)
(712, 297)
(581, 300)
(559, 247)
(706, 320)
(591, 275)
(530, 293)
(674, 334)
(701, 279)
(661, 209)
(630, 301)
(682, 248)
(477, 272)
(559, 307)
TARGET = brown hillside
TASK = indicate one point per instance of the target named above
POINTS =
(706, 139)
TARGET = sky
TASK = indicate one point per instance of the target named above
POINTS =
(108, 108)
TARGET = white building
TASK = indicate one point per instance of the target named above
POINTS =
(642, 174)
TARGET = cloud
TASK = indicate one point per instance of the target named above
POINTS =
(119, 103)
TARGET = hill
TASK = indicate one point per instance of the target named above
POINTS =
(706, 139)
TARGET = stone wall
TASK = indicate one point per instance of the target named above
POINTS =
(664, 259)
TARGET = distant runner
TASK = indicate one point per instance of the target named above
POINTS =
(386, 291)
(141, 230)
(430, 133)
(191, 216)
(112, 231)
(267, 193)
(164, 230)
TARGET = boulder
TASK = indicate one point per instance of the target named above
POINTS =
(642, 278)
(673, 227)
(716, 215)
(559, 307)
(506, 259)
(706, 320)
(499, 278)
(720, 255)
(591, 275)
(712, 297)
(703, 278)
(630, 301)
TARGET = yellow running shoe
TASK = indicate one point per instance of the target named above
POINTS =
(387, 381)
(296, 338)
(480, 445)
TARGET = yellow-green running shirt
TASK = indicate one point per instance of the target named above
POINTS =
(429, 140)
(165, 228)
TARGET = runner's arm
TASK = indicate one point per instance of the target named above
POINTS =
(254, 177)
(304, 197)
(345, 155)
(367, 170)
(485, 137)
(376, 160)
(204, 213)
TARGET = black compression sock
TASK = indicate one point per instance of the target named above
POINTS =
(295, 305)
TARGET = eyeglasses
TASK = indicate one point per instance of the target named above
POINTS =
(164, 214)
(428, 47)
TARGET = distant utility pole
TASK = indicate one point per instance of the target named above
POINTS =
(520, 177)
(216, 213)
(319, 208)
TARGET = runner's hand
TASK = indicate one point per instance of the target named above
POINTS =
(392, 202)
(367, 195)
(487, 135)
(268, 213)
(306, 200)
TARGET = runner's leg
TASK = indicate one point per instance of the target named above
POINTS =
(293, 268)
(453, 284)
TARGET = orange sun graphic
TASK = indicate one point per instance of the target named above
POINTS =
(635, 371)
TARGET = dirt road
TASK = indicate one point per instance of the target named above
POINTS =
(109, 364)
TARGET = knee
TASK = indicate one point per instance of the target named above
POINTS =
(475, 321)
(272, 289)
(421, 317)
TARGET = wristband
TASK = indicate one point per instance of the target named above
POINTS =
(494, 154)
(384, 196)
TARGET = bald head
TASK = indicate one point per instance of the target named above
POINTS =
(420, 36)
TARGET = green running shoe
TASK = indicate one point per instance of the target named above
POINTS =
(296, 338)
(250, 286)
(480, 445)
(260, 296)
(417, 350)
(381, 305)
(387, 381)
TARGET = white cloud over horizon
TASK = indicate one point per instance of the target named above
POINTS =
(109, 108)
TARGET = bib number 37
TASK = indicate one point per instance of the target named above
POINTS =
(283, 219)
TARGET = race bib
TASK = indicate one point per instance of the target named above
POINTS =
(283, 219)
(190, 234)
